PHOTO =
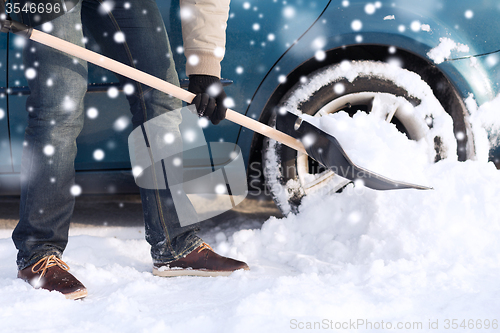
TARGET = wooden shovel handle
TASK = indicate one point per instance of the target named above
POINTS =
(159, 84)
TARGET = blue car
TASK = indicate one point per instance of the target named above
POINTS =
(318, 56)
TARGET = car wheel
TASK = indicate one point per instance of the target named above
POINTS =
(396, 94)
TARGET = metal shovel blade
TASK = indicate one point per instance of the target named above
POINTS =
(325, 149)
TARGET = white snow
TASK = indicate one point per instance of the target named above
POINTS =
(98, 154)
(415, 26)
(485, 124)
(49, 150)
(370, 8)
(92, 113)
(76, 190)
(47, 27)
(397, 256)
(469, 14)
(128, 89)
(30, 73)
(443, 51)
(289, 12)
(121, 123)
(358, 256)
(356, 25)
(119, 37)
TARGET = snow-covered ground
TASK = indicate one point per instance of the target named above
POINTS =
(359, 259)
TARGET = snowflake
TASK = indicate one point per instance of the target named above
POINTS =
(106, 7)
(177, 161)
(193, 60)
(229, 102)
(128, 89)
(19, 42)
(356, 25)
(203, 122)
(169, 138)
(113, 92)
(190, 135)
(318, 43)
(220, 189)
(75, 190)
(460, 135)
(370, 8)
(219, 52)
(119, 37)
(137, 170)
(49, 150)
(214, 90)
(308, 140)
(98, 154)
(121, 123)
(320, 55)
(415, 26)
(68, 104)
(339, 88)
(289, 12)
(186, 13)
(47, 27)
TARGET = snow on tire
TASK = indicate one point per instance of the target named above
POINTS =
(396, 94)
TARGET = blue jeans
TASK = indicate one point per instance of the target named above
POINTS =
(55, 118)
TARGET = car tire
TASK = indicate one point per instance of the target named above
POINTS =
(351, 86)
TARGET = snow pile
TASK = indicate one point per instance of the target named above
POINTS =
(395, 256)
(377, 145)
(486, 125)
(443, 51)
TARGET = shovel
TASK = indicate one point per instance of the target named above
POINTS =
(325, 148)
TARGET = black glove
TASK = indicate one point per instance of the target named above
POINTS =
(210, 96)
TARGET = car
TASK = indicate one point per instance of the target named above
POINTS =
(275, 54)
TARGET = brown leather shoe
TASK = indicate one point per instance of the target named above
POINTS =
(51, 273)
(203, 261)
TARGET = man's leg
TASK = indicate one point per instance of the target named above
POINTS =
(55, 118)
(133, 33)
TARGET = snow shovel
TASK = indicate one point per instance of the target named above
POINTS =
(325, 148)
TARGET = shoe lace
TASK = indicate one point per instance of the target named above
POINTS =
(45, 263)
(204, 246)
